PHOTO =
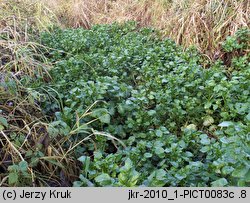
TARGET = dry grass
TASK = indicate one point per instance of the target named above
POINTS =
(203, 23)
(206, 24)
(20, 22)
(25, 138)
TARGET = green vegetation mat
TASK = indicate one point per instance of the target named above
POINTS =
(140, 111)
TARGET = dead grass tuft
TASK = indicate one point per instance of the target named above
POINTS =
(23, 126)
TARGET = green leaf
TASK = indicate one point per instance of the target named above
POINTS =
(191, 127)
(168, 150)
(86, 163)
(151, 112)
(205, 149)
(128, 165)
(224, 140)
(219, 183)
(159, 151)
(77, 184)
(104, 179)
(208, 105)
(180, 176)
(225, 124)
(159, 133)
(227, 170)
(97, 155)
(105, 118)
(147, 155)
(13, 178)
(3, 121)
(247, 176)
(102, 114)
(240, 172)
(204, 139)
(84, 182)
(208, 120)
(128, 179)
(248, 117)
(23, 166)
(158, 178)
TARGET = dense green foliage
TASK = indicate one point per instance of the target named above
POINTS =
(182, 125)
